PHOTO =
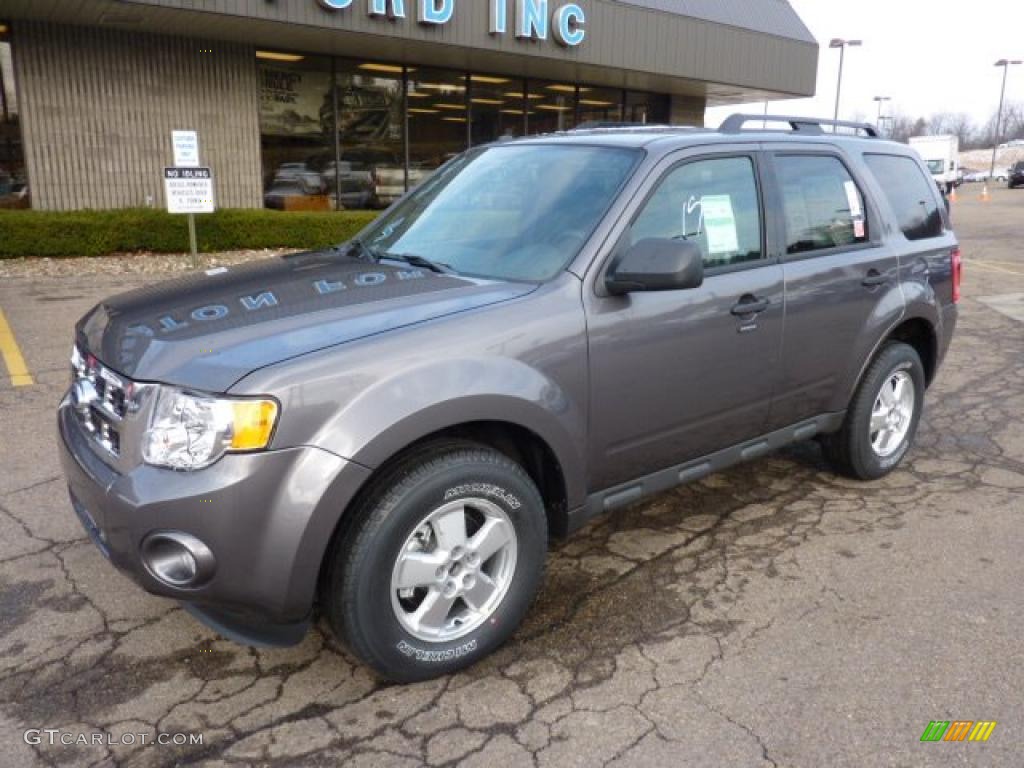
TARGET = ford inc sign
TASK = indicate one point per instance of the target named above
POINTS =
(530, 19)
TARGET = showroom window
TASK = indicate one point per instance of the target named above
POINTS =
(14, 190)
(647, 108)
(370, 168)
(296, 123)
(342, 134)
(599, 105)
(496, 108)
(438, 119)
(552, 106)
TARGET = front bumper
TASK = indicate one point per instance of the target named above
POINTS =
(267, 517)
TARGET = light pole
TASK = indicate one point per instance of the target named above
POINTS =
(842, 46)
(880, 100)
(1005, 64)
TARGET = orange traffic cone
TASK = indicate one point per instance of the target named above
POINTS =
(985, 197)
(952, 195)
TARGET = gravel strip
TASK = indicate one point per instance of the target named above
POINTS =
(143, 263)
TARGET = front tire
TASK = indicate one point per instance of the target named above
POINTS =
(443, 560)
(882, 420)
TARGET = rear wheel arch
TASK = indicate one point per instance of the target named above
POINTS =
(920, 334)
(917, 331)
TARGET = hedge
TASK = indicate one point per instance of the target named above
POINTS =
(96, 233)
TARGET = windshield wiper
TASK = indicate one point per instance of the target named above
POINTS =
(419, 261)
(360, 250)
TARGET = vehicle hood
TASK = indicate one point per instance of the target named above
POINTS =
(209, 329)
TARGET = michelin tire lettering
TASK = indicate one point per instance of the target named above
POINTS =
(485, 489)
(421, 654)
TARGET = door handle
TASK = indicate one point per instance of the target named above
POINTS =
(750, 305)
(874, 278)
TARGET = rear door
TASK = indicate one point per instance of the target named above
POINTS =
(840, 273)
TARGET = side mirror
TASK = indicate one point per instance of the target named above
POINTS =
(656, 264)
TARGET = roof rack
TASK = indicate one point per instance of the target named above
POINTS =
(809, 125)
(592, 124)
(595, 126)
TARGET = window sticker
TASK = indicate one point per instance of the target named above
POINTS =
(720, 224)
(853, 198)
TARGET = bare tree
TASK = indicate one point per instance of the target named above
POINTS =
(1011, 127)
(957, 124)
(901, 127)
(1013, 121)
(938, 124)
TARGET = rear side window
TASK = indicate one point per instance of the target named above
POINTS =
(713, 203)
(823, 206)
(909, 193)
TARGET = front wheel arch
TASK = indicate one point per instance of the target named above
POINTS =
(522, 445)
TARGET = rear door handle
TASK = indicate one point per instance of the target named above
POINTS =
(874, 278)
(750, 305)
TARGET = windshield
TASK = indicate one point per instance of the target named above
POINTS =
(514, 212)
(936, 166)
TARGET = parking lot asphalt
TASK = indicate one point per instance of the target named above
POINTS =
(772, 615)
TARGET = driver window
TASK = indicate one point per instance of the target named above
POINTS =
(714, 203)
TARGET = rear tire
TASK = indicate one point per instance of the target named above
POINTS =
(441, 563)
(883, 416)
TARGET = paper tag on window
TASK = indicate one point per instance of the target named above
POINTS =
(853, 198)
(858, 228)
(719, 224)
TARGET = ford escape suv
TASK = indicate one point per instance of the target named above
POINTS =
(545, 330)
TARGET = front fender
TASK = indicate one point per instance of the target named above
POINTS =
(522, 361)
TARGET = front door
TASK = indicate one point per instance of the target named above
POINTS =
(678, 374)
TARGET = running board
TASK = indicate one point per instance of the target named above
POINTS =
(666, 479)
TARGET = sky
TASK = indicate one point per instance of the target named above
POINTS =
(935, 56)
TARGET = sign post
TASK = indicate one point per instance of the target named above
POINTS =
(188, 188)
(192, 244)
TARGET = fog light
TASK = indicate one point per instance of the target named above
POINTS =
(177, 559)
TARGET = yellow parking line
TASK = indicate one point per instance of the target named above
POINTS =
(1003, 263)
(983, 265)
(20, 377)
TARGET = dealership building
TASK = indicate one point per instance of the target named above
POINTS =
(321, 104)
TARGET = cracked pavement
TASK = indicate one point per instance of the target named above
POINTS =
(771, 615)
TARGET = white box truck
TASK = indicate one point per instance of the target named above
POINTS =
(942, 156)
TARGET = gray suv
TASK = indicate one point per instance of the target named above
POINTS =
(545, 330)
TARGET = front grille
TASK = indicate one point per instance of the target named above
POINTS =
(101, 400)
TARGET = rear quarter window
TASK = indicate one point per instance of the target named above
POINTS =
(909, 193)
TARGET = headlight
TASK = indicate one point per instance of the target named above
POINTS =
(190, 431)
